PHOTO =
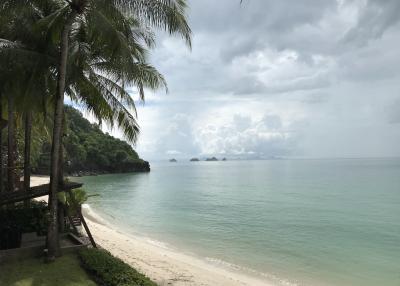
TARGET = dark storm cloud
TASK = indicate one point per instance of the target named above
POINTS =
(375, 19)
(228, 37)
(254, 25)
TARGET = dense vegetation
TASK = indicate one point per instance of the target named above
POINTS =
(20, 220)
(111, 271)
(88, 149)
(89, 50)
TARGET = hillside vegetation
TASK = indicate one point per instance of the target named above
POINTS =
(88, 150)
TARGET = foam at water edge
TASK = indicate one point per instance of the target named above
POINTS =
(96, 217)
(235, 267)
(91, 214)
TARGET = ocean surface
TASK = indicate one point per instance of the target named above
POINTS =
(296, 222)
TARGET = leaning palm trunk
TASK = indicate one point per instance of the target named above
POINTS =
(52, 234)
(61, 178)
(61, 155)
(11, 145)
(115, 51)
(1, 145)
(27, 153)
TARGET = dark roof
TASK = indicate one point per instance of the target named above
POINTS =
(34, 192)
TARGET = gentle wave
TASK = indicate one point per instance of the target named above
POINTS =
(238, 268)
(307, 221)
(95, 216)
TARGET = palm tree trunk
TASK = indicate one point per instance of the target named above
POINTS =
(1, 146)
(61, 161)
(11, 144)
(61, 179)
(27, 153)
(52, 234)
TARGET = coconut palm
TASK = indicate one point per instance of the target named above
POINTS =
(19, 74)
(106, 42)
(122, 46)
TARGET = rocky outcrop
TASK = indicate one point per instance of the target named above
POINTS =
(211, 159)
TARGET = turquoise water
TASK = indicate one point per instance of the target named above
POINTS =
(307, 222)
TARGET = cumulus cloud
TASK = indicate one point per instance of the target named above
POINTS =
(243, 137)
(279, 78)
(176, 138)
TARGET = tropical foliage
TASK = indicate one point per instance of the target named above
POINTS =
(89, 50)
(73, 200)
(88, 150)
(20, 220)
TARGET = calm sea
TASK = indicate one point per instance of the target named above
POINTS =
(302, 222)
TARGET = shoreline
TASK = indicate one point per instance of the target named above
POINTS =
(163, 265)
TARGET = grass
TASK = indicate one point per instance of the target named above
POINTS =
(65, 271)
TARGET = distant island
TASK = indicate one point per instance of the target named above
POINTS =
(211, 159)
(224, 159)
(88, 150)
(173, 160)
(194, 160)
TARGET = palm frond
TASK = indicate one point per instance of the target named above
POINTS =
(168, 15)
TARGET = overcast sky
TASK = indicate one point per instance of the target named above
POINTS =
(293, 78)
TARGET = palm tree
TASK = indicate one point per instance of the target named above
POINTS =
(93, 49)
(21, 75)
(117, 17)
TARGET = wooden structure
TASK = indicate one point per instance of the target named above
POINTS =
(43, 190)
(80, 216)
(34, 192)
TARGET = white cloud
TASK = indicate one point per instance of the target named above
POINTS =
(279, 78)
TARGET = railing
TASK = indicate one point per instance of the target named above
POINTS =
(34, 192)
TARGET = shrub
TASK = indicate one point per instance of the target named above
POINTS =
(19, 219)
(108, 270)
(73, 204)
(31, 219)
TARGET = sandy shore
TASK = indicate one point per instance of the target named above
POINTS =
(40, 180)
(163, 265)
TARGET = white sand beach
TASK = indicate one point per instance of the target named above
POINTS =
(163, 265)
(39, 180)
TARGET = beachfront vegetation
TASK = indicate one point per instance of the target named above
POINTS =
(88, 50)
(66, 271)
(73, 200)
(108, 270)
(21, 219)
